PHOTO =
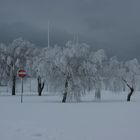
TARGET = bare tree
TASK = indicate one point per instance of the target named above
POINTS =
(131, 90)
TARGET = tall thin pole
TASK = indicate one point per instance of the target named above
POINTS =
(48, 34)
(21, 90)
(74, 39)
(77, 39)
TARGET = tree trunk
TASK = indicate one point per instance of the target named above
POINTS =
(66, 91)
(98, 94)
(129, 95)
(40, 86)
(13, 85)
(131, 91)
(98, 88)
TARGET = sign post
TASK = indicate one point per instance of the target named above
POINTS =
(21, 74)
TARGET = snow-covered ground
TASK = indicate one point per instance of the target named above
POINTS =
(46, 118)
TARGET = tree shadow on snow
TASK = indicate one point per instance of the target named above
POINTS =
(105, 101)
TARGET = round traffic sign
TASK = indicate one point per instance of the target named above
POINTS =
(22, 73)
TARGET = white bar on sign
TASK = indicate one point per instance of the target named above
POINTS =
(22, 72)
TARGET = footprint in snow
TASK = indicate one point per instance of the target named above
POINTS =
(37, 135)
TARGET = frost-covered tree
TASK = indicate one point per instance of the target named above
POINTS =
(132, 71)
(4, 71)
(18, 52)
(98, 59)
(71, 70)
(39, 67)
(114, 74)
(68, 69)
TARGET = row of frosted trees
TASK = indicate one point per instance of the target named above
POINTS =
(72, 70)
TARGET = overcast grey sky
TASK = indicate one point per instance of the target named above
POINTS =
(109, 24)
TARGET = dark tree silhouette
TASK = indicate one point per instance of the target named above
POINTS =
(40, 85)
(66, 88)
(131, 90)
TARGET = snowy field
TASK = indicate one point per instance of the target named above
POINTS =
(46, 118)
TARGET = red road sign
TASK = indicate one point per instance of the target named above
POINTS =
(22, 73)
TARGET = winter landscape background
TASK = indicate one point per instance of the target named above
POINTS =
(95, 87)
(81, 59)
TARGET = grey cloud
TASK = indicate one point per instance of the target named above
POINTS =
(109, 24)
(9, 32)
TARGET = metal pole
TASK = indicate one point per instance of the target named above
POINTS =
(48, 34)
(21, 90)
